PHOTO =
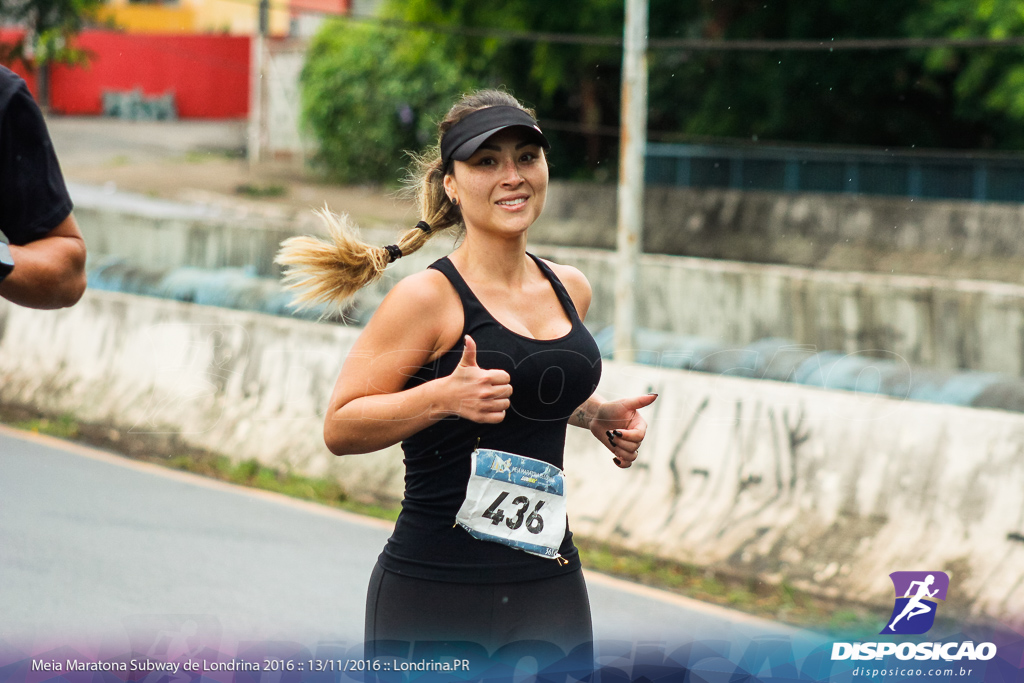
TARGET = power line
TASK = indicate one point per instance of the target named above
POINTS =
(701, 44)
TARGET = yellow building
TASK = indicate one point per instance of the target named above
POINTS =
(235, 17)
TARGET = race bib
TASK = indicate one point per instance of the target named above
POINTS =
(516, 501)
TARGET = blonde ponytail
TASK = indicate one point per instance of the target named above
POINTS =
(321, 272)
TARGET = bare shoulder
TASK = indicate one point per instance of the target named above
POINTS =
(424, 307)
(403, 334)
(576, 284)
(428, 287)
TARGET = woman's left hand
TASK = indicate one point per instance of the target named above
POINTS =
(620, 427)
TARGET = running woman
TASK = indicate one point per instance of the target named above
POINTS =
(476, 365)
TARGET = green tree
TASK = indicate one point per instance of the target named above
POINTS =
(370, 94)
(576, 85)
(888, 98)
(940, 98)
(49, 27)
(883, 98)
(988, 83)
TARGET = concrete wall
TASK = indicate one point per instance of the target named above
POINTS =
(242, 384)
(935, 322)
(927, 321)
(979, 240)
(164, 235)
(827, 490)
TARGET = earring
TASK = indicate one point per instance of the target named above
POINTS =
(455, 201)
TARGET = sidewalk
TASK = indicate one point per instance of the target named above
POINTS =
(204, 162)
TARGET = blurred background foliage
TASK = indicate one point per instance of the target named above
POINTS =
(360, 78)
(49, 26)
(371, 93)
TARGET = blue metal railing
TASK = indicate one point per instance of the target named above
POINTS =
(237, 288)
(976, 177)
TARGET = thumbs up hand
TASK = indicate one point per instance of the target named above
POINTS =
(619, 426)
(477, 394)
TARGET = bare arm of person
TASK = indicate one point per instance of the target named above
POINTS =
(418, 320)
(49, 272)
(616, 424)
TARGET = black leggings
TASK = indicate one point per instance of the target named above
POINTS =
(554, 611)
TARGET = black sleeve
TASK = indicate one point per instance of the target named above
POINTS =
(33, 197)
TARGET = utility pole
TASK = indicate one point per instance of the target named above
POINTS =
(632, 148)
(258, 58)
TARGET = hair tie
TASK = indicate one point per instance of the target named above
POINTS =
(424, 226)
(394, 253)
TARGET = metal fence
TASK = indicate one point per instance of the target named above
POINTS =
(877, 172)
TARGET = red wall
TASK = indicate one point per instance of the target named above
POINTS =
(9, 36)
(209, 74)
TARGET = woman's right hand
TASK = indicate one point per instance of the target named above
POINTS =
(475, 393)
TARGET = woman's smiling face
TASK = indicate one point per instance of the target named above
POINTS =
(502, 187)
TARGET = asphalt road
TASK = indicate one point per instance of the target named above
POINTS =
(96, 548)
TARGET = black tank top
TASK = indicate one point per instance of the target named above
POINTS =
(550, 378)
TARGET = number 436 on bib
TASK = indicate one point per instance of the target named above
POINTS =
(516, 501)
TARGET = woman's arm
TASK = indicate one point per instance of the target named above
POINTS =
(369, 409)
(584, 415)
(616, 424)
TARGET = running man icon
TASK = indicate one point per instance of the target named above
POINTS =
(919, 591)
(915, 606)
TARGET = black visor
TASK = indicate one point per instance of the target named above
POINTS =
(466, 136)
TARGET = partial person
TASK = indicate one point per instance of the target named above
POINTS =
(42, 264)
(476, 365)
